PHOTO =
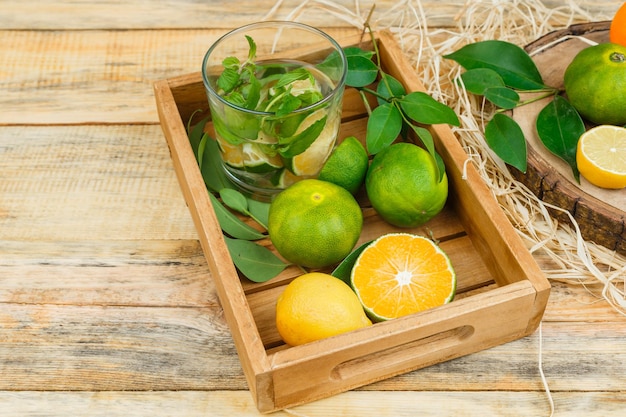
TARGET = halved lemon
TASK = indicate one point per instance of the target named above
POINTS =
(601, 156)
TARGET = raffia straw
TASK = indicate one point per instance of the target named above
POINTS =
(560, 245)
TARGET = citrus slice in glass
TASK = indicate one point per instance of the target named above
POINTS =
(310, 162)
(249, 157)
(601, 156)
(400, 274)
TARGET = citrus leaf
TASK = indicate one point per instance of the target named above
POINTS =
(422, 108)
(514, 65)
(383, 127)
(477, 80)
(362, 71)
(235, 200)
(426, 137)
(389, 87)
(196, 134)
(212, 172)
(259, 211)
(559, 127)
(351, 51)
(506, 138)
(502, 97)
(201, 148)
(255, 262)
(344, 269)
(231, 224)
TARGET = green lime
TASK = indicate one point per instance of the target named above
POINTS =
(595, 82)
(403, 185)
(314, 223)
(347, 165)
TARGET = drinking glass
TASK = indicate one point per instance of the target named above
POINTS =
(275, 94)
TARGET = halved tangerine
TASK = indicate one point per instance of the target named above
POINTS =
(400, 274)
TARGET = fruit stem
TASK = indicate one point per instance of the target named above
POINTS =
(617, 57)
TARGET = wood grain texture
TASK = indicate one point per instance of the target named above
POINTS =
(186, 14)
(239, 403)
(107, 304)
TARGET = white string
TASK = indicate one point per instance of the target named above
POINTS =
(543, 377)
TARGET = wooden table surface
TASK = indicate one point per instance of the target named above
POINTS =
(107, 307)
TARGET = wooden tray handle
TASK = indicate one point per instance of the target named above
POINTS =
(403, 354)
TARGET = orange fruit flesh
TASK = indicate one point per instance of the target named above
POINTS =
(401, 274)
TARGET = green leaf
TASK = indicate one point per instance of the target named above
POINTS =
(251, 49)
(301, 142)
(196, 135)
(235, 200)
(506, 139)
(559, 127)
(343, 271)
(427, 139)
(231, 224)
(259, 211)
(231, 62)
(228, 79)
(362, 71)
(255, 262)
(422, 108)
(332, 65)
(477, 80)
(351, 51)
(201, 148)
(383, 127)
(212, 172)
(291, 76)
(288, 104)
(502, 97)
(389, 87)
(511, 62)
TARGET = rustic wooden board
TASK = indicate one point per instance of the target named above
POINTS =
(349, 404)
(599, 213)
(191, 14)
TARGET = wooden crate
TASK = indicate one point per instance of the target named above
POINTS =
(501, 293)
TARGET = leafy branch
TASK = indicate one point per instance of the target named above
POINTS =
(397, 112)
(500, 71)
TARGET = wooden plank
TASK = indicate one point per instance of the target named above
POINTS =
(116, 348)
(169, 273)
(354, 403)
(136, 14)
(89, 182)
(111, 77)
(47, 347)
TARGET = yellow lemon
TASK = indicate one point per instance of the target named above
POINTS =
(601, 156)
(315, 306)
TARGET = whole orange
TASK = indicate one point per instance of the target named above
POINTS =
(617, 32)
